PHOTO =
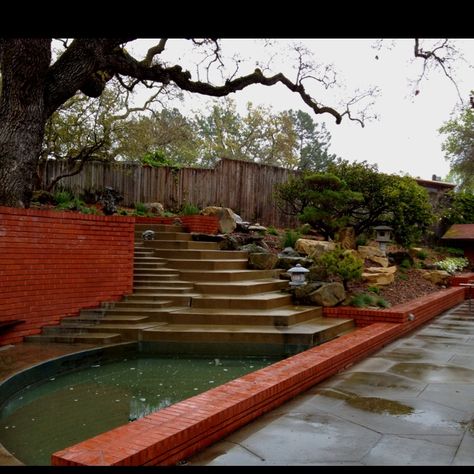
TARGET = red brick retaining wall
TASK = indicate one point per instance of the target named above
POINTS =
(52, 264)
(462, 278)
(422, 308)
(197, 223)
(174, 433)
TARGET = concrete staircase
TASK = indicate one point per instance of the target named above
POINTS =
(191, 297)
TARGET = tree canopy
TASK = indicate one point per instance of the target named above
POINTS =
(459, 147)
(38, 78)
(357, 195)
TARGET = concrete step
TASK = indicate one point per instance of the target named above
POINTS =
(224, 264)
(140, 277)
(226, 275)
(175, 235)
(181, 254)
(180, 245)
(307, 334)
(149, 265)
(244, 287)
(258, 301)
(70, 338)
(281, 316)
(163, 289)
(141, 301)
(181, 299)
(146, 259)
(178, 284)
(139, 228)
(107, 319)
(127, 331)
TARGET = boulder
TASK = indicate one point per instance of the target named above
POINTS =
(369, 251)
(227, 218)
(289, 252)
(438, 277)
(321, 294)
(154, 207)
(287, 262)
(262, 261)
(313, 248)
(257, 228)
(383, 261)
(379, 276)
(254, 248)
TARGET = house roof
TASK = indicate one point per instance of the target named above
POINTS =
(460, 231)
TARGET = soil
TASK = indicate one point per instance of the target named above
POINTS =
(408, 285)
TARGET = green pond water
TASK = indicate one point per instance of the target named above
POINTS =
(64, 410)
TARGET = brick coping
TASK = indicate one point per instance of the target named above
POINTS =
(180, 430)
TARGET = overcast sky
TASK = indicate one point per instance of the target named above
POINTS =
(403, 139)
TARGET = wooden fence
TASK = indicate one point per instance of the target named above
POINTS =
(247, 188)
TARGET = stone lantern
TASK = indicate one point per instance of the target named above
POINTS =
(384, 236)
(298, 275)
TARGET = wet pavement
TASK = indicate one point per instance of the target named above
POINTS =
(411, 403)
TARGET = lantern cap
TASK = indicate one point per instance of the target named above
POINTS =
(298, 268)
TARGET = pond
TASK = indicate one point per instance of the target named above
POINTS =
(61, 410)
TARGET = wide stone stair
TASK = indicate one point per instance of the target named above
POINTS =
(191, 297)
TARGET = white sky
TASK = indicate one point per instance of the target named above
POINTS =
(404, 138)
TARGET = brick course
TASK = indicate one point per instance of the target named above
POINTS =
(52, 264)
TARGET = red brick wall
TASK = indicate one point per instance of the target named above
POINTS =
(197, 223)
(52, 264)
(423, 308)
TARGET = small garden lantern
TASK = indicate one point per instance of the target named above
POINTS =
(298, 275)
(384, 235)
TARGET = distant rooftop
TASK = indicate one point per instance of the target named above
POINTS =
(460, 232)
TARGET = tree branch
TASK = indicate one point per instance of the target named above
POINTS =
(124, 64)
(155, 50)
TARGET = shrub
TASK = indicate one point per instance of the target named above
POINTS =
(453, 264)
(422, 255)
(290, 237)
(140, 209)
(362, 300)
(361, 239)
(342, 264)
(271, 230)
(63, 198)
(374, 289)
(189, 209)
(405, 263)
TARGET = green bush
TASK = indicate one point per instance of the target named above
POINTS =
(63, 198)
(422, 255)
(304, 229)
(361, 239)
(405, 263)
(455, 252)
(189, 209)
(140, 209)
(374, 289)
(343, 264)
(362, 300)
(271, 230)
(453, 264)
(290, 237)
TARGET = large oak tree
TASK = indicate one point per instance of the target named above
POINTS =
(35, 83)
(34, 86)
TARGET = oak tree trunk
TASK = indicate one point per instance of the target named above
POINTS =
(24, 65)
